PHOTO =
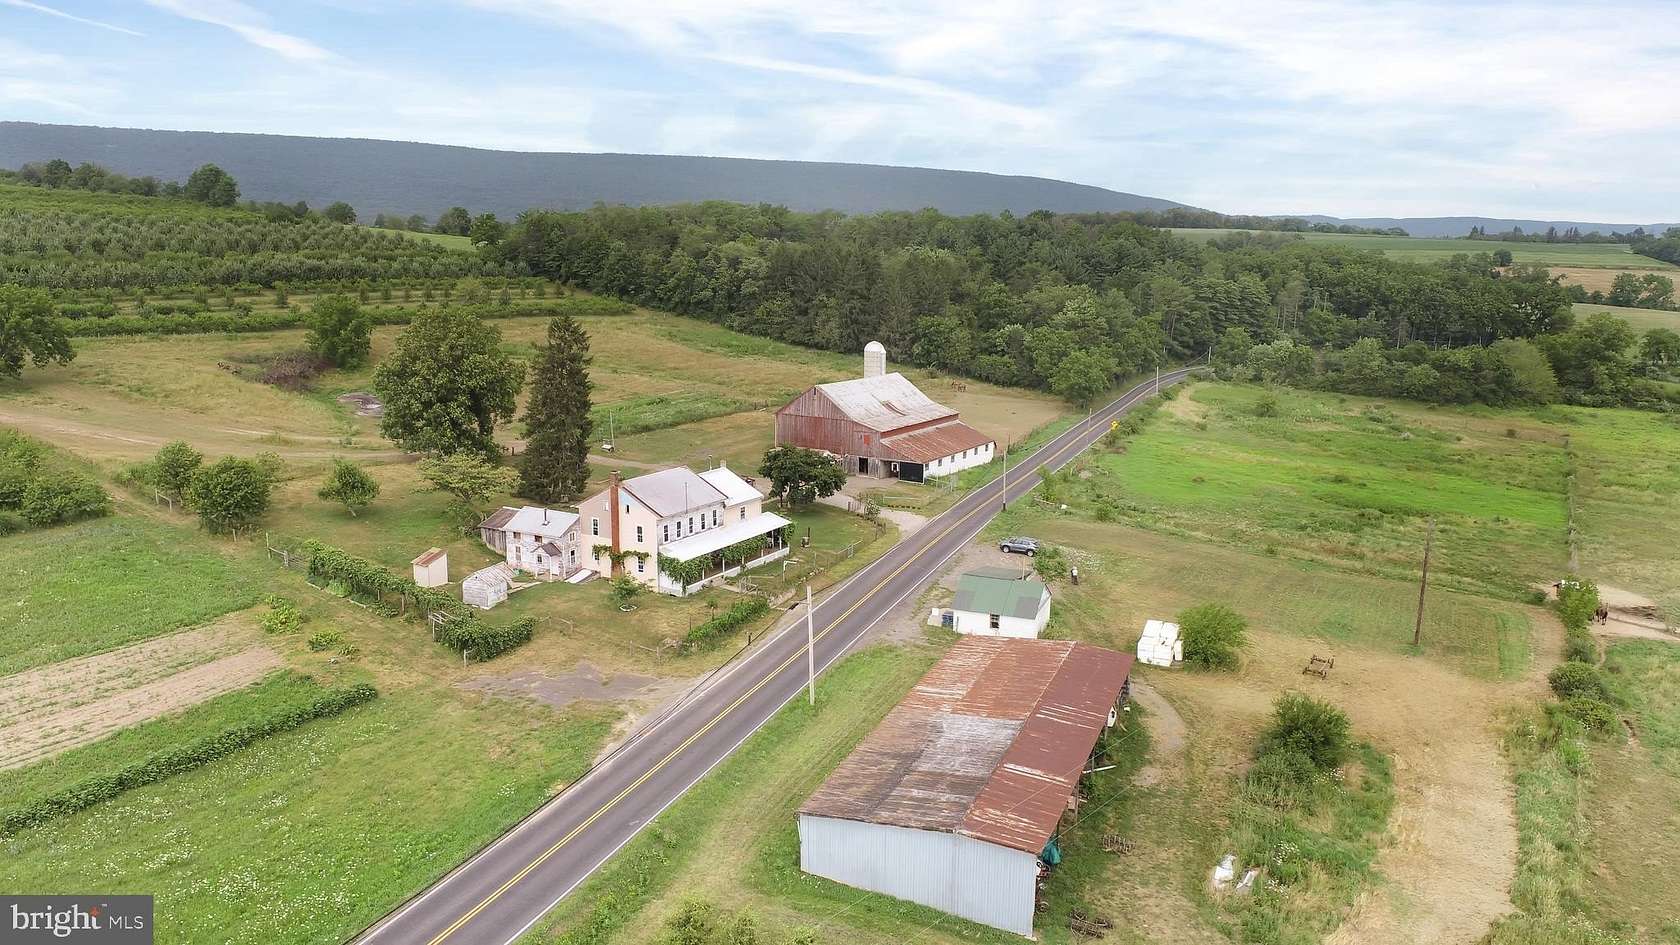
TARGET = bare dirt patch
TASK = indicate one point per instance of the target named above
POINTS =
(585, 683)
(1166, 735)
(55, 708)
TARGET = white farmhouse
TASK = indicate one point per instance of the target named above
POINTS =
(678, 516)
(543, 542)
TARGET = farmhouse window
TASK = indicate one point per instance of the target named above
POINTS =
(714, 516)
(638, 534)
(679, 528)
(641, 565)
(743, 514)
(665, 532)
(595, 527)
(995, 621)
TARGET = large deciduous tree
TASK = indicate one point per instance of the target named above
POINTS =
(555, 464)
(212, 185)
(174, 467)
(800, 476)
(1082, 377)
(29, 330)
(340, 331)
(340, 212)
(467, 477)
(447, 385)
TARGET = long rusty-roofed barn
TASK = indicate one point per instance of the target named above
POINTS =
(882, 425)
(953, 798)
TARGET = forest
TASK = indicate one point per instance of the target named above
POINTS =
(1070, 302)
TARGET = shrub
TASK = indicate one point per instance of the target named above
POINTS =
(1578, 680)
(172, 469)
(623, 590)
(1267, 406)
(1284, 777)
(1594, 714)
(173, 761)
(483, 641)
(294, 370)
(1577, 602)
(350, 485)
(1579, 647)
(1212, 634)
(715, 629)
(64, 497)
(325, 639)
(231, 493)
(1316, 729)
(1050, 563)
(283, 616)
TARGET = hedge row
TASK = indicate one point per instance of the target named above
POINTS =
(463, 631)
(173, 761)
(241, 319)
(714, 630)
(485, 641)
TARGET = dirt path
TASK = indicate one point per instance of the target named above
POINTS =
(1166, 737)
(45, 734)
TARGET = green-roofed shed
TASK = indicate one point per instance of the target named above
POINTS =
(1000, 602)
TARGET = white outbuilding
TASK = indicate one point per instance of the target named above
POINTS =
(1000, 602)
(955, 799)
(487, 588)
(432, 568)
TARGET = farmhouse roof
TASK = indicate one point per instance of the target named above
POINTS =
(736, 490)
(989, 744)
(498, 519)
(930, 443)
(547, 523)
(714, 539)
(884, 403)
(672, 491)
(998, 591)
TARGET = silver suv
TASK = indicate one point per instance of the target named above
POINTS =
(1019, 545)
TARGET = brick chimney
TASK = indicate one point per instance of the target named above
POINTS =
(612, 520)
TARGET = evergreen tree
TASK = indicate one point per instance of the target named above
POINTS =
(555, 464)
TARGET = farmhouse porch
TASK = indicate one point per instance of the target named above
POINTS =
(711, 556)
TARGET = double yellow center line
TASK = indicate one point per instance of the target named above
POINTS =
(646, 776)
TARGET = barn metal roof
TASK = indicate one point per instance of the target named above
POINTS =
(536, 520)
(1007, 594)
(931, 443)
(989, 744)
(499, 518)
(884, 403)
(432, 554)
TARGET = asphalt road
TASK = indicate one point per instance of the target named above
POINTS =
(505, 888)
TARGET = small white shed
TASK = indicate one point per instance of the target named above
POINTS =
(487, 588)
(432, 568)
(1000, 602)
(1160, 644)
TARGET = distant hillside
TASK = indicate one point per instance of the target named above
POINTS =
(407, 178)
(1460, 226)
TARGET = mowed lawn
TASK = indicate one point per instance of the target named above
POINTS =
(1430, 249)
(95, 585)
(1347, 481)
(308, 836)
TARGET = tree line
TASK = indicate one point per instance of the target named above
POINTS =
(1063, 302)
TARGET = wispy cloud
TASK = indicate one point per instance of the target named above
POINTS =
(247, 24)
(43, 8)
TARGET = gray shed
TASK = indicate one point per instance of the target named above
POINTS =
(487, 588)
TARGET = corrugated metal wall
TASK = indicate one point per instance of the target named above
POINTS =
(813, 421)
(986, 883)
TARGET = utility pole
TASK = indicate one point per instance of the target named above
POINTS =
(1423, 585)
(1006, 477)
(810, 646)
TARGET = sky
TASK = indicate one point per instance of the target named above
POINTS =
(1549, 110)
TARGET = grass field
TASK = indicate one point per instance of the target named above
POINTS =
(95, 585)
(1429, 249)
(308, 836)
(1641, 319)
(449, 240)
(1628, 500)
(1346, 481)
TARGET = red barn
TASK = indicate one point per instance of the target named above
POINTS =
(882, 425)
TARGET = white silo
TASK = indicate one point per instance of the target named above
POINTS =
(874, 359)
